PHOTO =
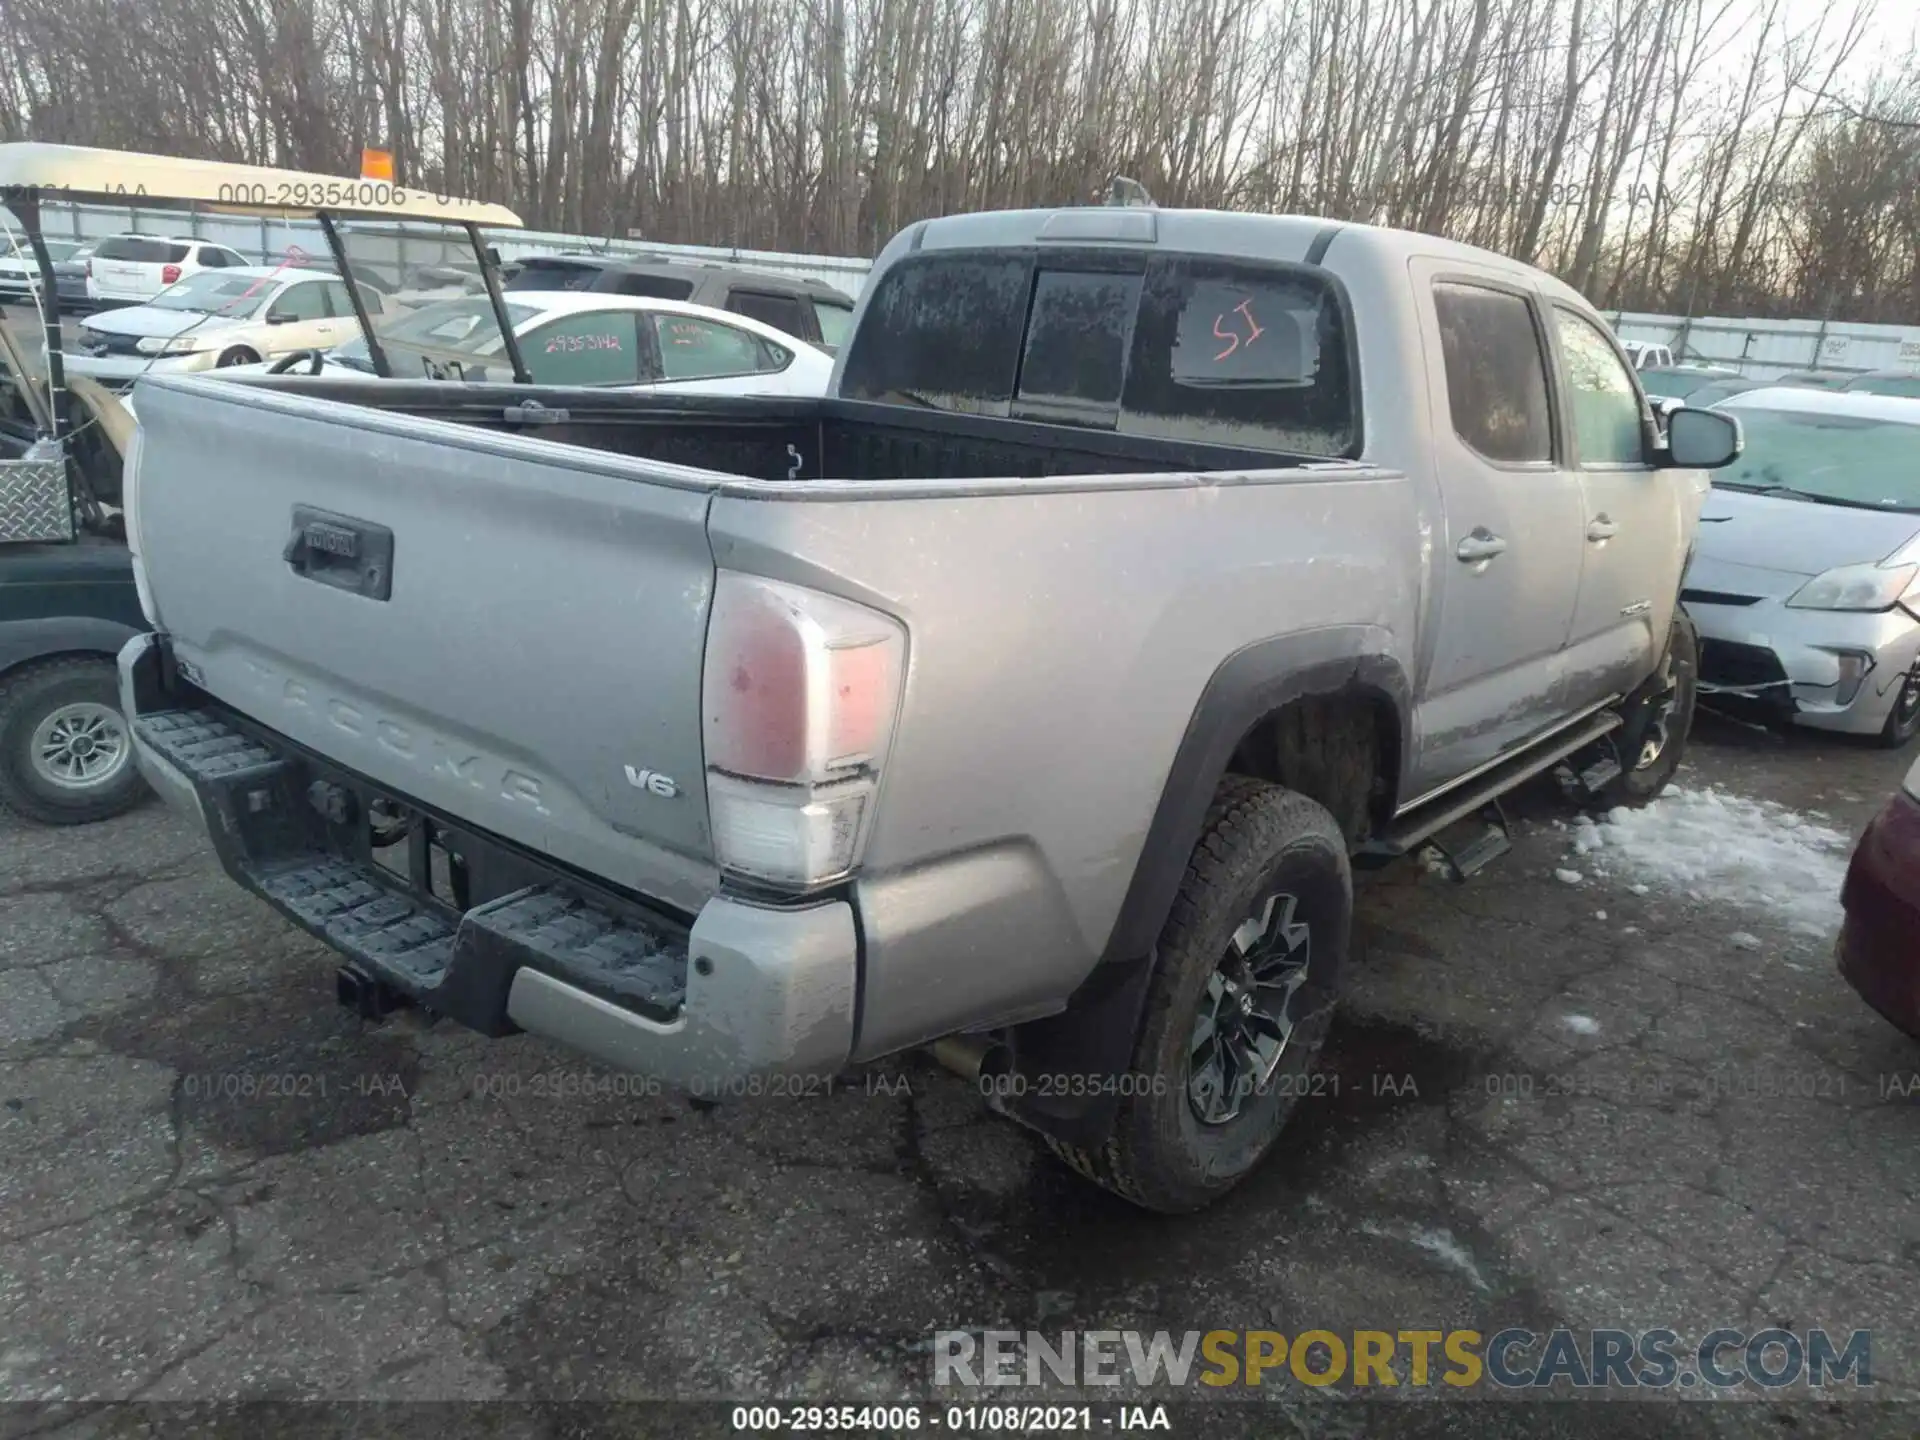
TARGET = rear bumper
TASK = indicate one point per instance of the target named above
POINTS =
(743, 991)
(1879, 947)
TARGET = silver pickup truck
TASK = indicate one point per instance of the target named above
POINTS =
(1040, 686)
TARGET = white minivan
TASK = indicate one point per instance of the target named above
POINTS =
(132, 269)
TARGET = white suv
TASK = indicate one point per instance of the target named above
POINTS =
(131, 269)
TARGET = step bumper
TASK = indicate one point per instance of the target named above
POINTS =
(743, 991)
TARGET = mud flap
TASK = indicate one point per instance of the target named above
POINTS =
(1067, 1073)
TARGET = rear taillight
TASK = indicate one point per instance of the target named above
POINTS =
(798, 697)
(169, 274)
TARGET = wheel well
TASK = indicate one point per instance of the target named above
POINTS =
(1341, 749)
(49, 657)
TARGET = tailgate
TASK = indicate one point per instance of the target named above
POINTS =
(125, 276)
(528, 663)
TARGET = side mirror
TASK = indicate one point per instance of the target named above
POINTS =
(280, 317)
(1702, 439)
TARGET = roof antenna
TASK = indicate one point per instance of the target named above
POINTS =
(1124, 191)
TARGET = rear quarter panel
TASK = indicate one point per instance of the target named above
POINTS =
(1059, 641)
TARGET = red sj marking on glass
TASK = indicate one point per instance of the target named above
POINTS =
(1256, 329)
(1220, 334)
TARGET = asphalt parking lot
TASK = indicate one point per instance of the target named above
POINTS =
(1597, 1103)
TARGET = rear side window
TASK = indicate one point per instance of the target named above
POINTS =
(659, 287)
(695, 349)
(1496, 373)
(835, 322)
(782, 312)
(140, 250)
(1187, 348)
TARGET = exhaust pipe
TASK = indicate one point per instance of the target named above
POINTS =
(971, 1056)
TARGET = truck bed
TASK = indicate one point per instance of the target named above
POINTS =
(775, 438)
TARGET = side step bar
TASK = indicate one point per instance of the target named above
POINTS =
(1410, 831)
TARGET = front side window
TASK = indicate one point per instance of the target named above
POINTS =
(1607, 426)
(695, 349)
(595, 347)
(305, 301)
(1496, 373)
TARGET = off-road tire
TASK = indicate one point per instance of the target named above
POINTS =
(1635, 786)
(1259, 840)
(237, 355)
(28, 696)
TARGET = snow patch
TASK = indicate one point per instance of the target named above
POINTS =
(1568, 877)
(1741, 940)
(1581, 1024)
(1711, 845)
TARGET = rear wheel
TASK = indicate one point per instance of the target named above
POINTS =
(1240, 1001)
(65, 754)
(1658, 718)
(237, 355)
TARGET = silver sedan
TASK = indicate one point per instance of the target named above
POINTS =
(1805, 581)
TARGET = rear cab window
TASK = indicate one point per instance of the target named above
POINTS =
(1198, 349)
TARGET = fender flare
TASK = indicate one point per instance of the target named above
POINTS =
(24, 641)
(1094, 1035)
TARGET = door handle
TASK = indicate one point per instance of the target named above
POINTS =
(1480, 544)
(1601, 528)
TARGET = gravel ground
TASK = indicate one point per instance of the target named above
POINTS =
(215, 1184)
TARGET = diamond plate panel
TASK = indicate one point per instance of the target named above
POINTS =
(34, 504)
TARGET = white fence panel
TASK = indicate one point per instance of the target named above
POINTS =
(1766, 348)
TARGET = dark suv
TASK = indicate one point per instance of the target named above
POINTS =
(807, 309)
